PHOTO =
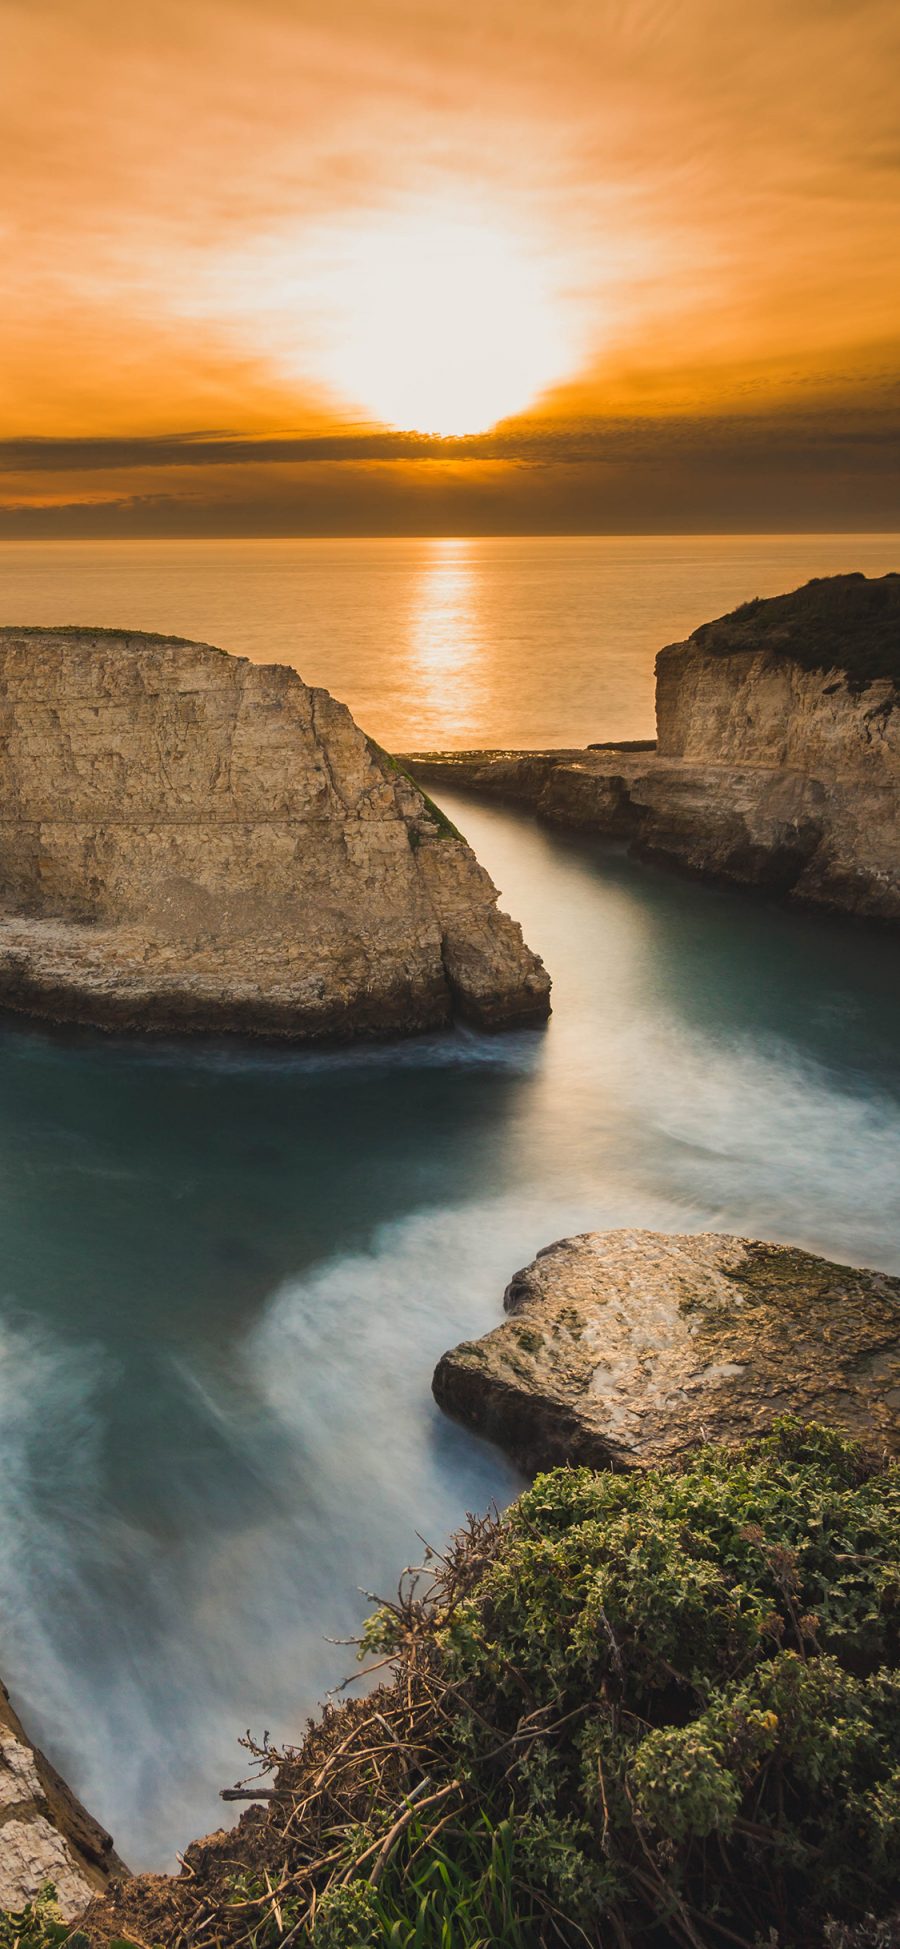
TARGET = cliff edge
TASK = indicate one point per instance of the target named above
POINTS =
(189, 840)
(46, 1835)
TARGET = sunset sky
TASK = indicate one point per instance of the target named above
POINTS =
(637, 258)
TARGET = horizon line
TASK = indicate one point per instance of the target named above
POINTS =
(473, 534)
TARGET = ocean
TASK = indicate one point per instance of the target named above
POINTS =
(433, 643)
(226, 1272)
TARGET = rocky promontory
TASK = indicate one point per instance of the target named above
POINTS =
(625, 1349)
(189, 840)
(777, 759)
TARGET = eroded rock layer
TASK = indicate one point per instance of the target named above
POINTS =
(191, 840)
(45, 1833)
(626, 1348)
(777, 761)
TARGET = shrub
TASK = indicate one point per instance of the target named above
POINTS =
(36, 1926)
(698, 1670)
(836, 622)
(39, 1925)
(654, 1710)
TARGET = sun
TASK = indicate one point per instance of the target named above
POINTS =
(441, 321)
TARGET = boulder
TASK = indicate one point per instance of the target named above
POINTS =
(627, 1348)
(189, 840)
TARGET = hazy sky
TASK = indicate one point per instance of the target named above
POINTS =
(638, 256)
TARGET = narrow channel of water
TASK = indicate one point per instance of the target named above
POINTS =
(227, 1275)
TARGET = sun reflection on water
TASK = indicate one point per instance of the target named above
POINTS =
(446, 639)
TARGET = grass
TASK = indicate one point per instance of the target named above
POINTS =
(438, 1897)
(836, 622)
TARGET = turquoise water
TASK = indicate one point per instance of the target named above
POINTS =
(227, 1275)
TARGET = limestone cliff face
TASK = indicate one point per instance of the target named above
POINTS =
(778, 754)
(823, 754)
(759, 708)
(45, 1833)
(188, 839)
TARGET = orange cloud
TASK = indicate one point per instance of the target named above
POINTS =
(706, 197)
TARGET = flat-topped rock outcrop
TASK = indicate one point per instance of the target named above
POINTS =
(777, 761)
(45, 1833)
(624, 1349)
(189, 840)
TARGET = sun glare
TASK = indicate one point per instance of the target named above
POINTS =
(442, 323)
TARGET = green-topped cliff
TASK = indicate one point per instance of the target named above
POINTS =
(835, 622)
(777, 760)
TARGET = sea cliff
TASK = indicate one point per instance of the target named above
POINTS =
(46, 1835)
(777, 759)
(194, 841)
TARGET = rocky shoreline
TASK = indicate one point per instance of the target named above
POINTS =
(777, 759)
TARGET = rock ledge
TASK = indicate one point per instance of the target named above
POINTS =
(624, 1349)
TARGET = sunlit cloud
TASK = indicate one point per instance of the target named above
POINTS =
(244, 216)
(432, 315)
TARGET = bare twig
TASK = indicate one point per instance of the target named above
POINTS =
(402, 1822)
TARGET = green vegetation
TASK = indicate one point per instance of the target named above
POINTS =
(39, 1926)
(444, 827)
(653, 1710)
(93, 629)
(463, 1895)
(837, 622)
